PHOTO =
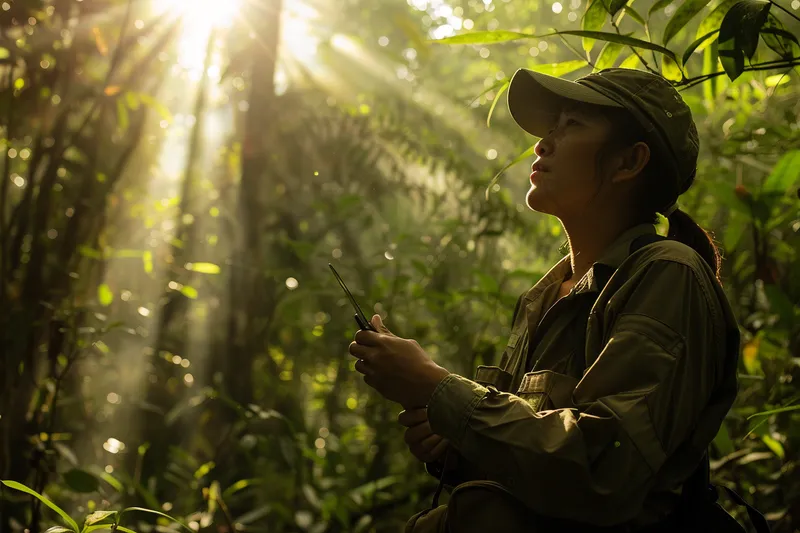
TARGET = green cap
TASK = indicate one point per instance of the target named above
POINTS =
(535, 101)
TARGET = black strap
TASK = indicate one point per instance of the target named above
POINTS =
(756, 518)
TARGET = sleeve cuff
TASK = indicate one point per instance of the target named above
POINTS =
(451, 406)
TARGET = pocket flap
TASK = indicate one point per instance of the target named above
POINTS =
(494, 376)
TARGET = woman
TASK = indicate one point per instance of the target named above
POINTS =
(621, 364)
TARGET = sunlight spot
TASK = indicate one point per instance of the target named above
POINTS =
(319, 443)
(543, 45)
(189, 379)
(484, 53)
(336, 253)
(12, 153)
(445, 30)
(109, 469)
(167, 506)
(69, 212)
(389, 256)
(19, 181)
(125, 295)
(139, 24)
(324, 432)
(557, 8)
(185, 363)
(572, 16)
(144, 311)
(244, 106)
(291, 283)
(6, 6)
(468, 24)
(176, 359)
(113, 397)
(113, 445)
(25, 153)
(795, 4)
(383, 40)
(194, 525)
(352, 403)
(320, 453)
(52, 234)
(491, 154)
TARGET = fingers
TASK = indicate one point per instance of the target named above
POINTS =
(367, 338)
(360, 351)
(418, 433)
(412, 417)
(429, 449)
(438, 450)
(362, 367)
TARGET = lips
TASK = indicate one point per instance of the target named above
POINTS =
(538, 167)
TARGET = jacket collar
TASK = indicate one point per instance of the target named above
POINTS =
(619, 250)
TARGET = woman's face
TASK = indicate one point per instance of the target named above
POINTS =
(565, 180)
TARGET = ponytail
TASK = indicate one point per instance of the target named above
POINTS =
(684, 229)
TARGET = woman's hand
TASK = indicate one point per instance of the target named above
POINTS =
(399, 369)
(423, 443)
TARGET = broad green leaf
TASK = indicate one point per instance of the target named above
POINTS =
(98, 516)
(500, 92)
(81, 481)
(101, 527)
(774, 445)
(615, 5)
(203, 268)
(58, 529)
(738, 34)
(559, 69)
(204, 469)
(670, 69)
(623, 39)
(661, 4)
(699, 44)
(682, 16)
(521, 157)
(159, 513)
(777, 38)
(608, 55)
(723, 441)
(632, 61)
(484, 37)
(635, 15)
(785, 174)
(712, 21)
(104, 295)
(189, 292)
(22, 488)
(593, 20)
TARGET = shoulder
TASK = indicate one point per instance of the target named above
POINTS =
(671, 259)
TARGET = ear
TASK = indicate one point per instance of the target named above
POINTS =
(632, 161)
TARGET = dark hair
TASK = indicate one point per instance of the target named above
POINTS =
(657, 192)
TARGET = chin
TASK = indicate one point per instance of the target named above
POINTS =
(538, 201)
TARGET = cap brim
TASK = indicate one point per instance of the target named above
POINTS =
(535, 99)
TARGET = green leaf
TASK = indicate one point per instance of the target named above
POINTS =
(661, 4)
(594, 19)
(204, 469)
(670, 69)
(491, 88)
(682, 16)
(22, 488)
(712, 21)
(484, 37)
(240, 485)
(615, 6)
(98, 516)
(81, 481)
(608, 55)
(635, 15)
(777, 38)
(189, 292)
(521, 157)
(738, 34)
(623, 39)
(159, 513)
(4, 53)
(723, 441)
(776, 411)
(784, 175)
(695, 46)
(122, 115)
(559, 69)
(58, 529)
(774, 445)
(101, 527)
(104, 295)
(203, 268)
(500, 92)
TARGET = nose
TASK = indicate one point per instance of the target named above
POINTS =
(542, 147)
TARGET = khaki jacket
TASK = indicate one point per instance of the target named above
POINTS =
(604, 402)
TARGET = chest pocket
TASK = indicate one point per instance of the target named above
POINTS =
(546, 390)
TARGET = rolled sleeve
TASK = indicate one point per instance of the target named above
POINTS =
(638, 400)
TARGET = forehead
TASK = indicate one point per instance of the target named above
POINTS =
(583, 109)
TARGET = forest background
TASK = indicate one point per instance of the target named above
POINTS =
(175, 177)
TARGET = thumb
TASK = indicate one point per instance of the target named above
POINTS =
(378, 323)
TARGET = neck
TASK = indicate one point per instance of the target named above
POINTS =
(588, 240)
